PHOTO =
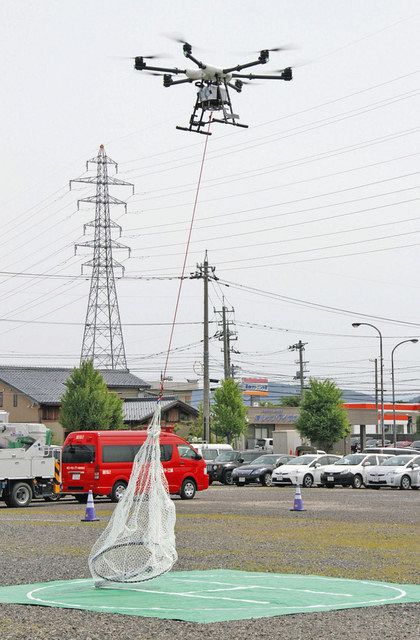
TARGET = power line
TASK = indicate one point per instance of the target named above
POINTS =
(313, 305)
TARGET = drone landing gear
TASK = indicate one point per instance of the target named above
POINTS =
(234, 124)
(197, 123)
(212, 96)
(197, 130)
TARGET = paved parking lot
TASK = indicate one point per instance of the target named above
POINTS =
(343, 532)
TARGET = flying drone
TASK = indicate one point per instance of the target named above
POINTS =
(213, 85)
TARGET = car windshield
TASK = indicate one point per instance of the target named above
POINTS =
(209, 454)
(226, 456)
(352, 458)
(302, 460)
(268, 459)
(396, 461)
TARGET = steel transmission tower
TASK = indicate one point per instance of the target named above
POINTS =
(102, 338)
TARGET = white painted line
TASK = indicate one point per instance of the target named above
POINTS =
(257, 586)
(275, 609)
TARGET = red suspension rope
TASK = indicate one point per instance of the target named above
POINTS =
(187, 247)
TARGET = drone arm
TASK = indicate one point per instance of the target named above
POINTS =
(232, 86)
(199, 64)
(239, 67)
(285, 75)
(178, 82)
(145, 67)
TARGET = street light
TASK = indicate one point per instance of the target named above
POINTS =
(394, 428)
(381, 358)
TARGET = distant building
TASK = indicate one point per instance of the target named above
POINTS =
(33, 394)
(179, 389)
(138, 411)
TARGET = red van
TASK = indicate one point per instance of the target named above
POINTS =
(102, 461)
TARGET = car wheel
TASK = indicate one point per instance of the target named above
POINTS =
(357, 481)
(307, 481)
(20, 495)
(405, 482)
(266, 480)
(227, 478)
(188, 489)
(118, 490)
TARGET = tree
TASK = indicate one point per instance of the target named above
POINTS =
(229, 411)
(290, 401)
(87, 404)
(323, 419)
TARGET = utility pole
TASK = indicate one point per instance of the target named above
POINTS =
(300, 375)
(102, 338)
(226, 335)
(205, 272)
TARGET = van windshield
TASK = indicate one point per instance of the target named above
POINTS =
(78, 453)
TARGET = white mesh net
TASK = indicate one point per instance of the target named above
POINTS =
(139, 542)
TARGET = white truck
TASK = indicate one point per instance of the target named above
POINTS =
(30, 466)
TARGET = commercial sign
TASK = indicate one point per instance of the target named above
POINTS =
(255, 386)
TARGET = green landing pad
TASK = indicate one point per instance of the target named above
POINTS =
(214, 596)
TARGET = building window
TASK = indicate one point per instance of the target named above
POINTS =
(15, 399)
(1, 398)
(50, 413)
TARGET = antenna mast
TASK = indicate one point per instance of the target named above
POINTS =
(102, 338)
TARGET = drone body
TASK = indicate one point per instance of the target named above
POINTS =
(213, 86)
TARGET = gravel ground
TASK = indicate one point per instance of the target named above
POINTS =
(343, 532)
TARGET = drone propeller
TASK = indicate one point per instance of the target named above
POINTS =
(157, 56)
(285, 47)
(175, 37)
(179, 38)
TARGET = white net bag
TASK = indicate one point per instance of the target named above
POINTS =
(139, 541)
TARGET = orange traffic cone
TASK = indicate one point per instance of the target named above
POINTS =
(90, 515)
(298, 502)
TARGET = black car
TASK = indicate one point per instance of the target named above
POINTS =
(221, 468)
(259, 470)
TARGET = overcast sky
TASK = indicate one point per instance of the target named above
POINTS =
(318, 200)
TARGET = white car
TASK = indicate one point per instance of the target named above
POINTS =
(349, 471)
(399, 471)
(302, 470)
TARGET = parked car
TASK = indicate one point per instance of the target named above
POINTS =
(415, 445)
(402, 444)
(301, 470)
(260, 469)
(303, 449)
(221, 468)
(209, 452)
(350, 470)
(264, 443)
(392, 451)
(398, 471)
